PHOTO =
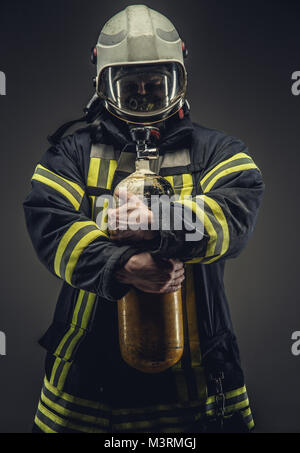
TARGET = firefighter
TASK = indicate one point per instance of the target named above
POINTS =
(141, 82)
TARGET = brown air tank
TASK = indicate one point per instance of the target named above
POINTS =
(150, 325)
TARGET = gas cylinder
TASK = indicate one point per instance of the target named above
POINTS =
(150, 325)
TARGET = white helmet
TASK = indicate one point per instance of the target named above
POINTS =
(140, 69)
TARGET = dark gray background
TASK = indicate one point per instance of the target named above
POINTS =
(242, 55)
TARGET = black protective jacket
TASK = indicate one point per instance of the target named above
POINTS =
(64, 223)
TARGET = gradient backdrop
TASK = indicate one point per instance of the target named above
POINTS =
(242, 55)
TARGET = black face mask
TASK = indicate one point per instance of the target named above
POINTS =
(142, 103)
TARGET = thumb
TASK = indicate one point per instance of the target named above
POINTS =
(123, 194)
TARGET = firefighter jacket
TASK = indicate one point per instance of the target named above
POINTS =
(88, 387)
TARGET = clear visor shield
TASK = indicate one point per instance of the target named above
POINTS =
(142, 89)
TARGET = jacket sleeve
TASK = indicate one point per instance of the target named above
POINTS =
(223, 213)
(66, 240)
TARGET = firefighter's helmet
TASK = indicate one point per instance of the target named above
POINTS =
(140, 68)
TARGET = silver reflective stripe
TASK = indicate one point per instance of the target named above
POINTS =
(180, 158)
(102, 151)
(126, 162)
(155, 164)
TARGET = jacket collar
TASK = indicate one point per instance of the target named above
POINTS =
(177, 133)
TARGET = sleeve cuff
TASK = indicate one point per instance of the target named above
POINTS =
(110, 287)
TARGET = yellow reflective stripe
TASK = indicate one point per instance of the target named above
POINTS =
(88, 310)
(111, 172)
(67, 412)
(54, 368)
(194, 260)
(58, 188)
(43, 427)
(72, 399)
(219, 215)
(210, 400)
(63, 375)
(110, 176)
(59, 348)
(93, 179)
(68, 181)
(251, 424)
(81, 245)
(78, 326)
(66, 239)
(202, 407)
(93, 171)
(237, 406)
(84, 242)
(74, 325)
(79, 334)
(73, 342)
(58, 351)
(77, 307)
(72, 183)
(66, 423)
(187, 186)
(201, 214)
(235, 392)
(232, 407)
(227, 172)
(170, 179)
(93, 201)
(224, 162)
(228, 395)
(246, 412)
(148, 424)
(104, 216)
(59, 184)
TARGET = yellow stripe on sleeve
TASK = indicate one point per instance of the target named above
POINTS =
(224, 162)
(66, 239)
(223, 173)
(81, 245)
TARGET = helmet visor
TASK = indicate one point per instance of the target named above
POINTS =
(142, 89)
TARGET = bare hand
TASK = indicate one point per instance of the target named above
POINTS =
(131, 221)
(152, 276)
